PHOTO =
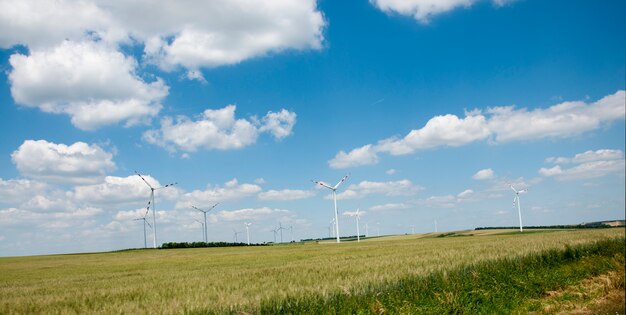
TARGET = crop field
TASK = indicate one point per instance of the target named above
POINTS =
(269, 279)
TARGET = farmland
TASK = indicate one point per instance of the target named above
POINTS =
(243, 278)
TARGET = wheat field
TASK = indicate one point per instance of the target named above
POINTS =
(222, 279)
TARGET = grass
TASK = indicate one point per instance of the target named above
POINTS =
(242, 278)
(500, 286)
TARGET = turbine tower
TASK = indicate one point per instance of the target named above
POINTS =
(334, 189)
(145, 240)
(357, 215)
(247, 224)
(517, 201)
(203, 229)
(206, 235)
(152, 189)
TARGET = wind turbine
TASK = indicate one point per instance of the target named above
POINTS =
(517, 201)
(435, 226)
(145, 240)
(334, 189)
(152, 189)
(412, 229)
(247, 224)
(206, 235)
(366, 230)
(236, 233)
(203, 229)
(356, 214)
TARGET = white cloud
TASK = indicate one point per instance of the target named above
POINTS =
(120, 190)
(231, 190)
(16, 191)
(279, 124)
(390, 206)
(484, 174)
(189, 34)
(286, 194)
(391, 188)
(590, 164)
(566, 119)
(447, 201)
(78, 163)
(390, 171)
(424, 10)
(247, 214)
(466, 194)
(92, 83)
(365, 155)
(502, 124)
(196, 75)
(217, 129)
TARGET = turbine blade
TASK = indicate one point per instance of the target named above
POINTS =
(148, 223)
(144, 180)
(513, 188)
(322, 184)
(215, 205)
(198, 209)
(341, 181)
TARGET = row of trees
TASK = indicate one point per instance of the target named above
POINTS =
(204, 244)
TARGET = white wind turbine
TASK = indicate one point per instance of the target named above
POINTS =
(145, 240)
(334, 189)
(357, 215)
(152, 189)
(236, 233)
(203, 229)
(206, 235)
(517, 201)
(247, 224)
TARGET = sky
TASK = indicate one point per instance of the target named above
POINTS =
(433, 108)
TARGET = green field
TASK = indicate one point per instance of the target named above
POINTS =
(202, 280)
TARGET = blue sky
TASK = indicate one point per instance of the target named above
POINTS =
(432, 107)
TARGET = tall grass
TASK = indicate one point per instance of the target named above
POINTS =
(219, 279)
(489, 287)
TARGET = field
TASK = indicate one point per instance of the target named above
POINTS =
(239, 279)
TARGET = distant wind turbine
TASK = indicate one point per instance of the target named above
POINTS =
(334, 189)
(236, 233)
(517, 201)
(412, 229)
(247, 224)
(206, 236)
(145, 240)
(203, 229)
(357, 215)
(152, 189)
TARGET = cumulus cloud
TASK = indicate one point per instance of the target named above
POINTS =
(120, 190)
(279, 124)
(586, 165)
(391, 188)
(484, 174)
(286, 194)
(497, 124)
(77, 67)
(16, 191)
(187, 34)
(424, 10)
(231, 190)
(562, 120)
(92, 83)
(78, 163)
(217, 129)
